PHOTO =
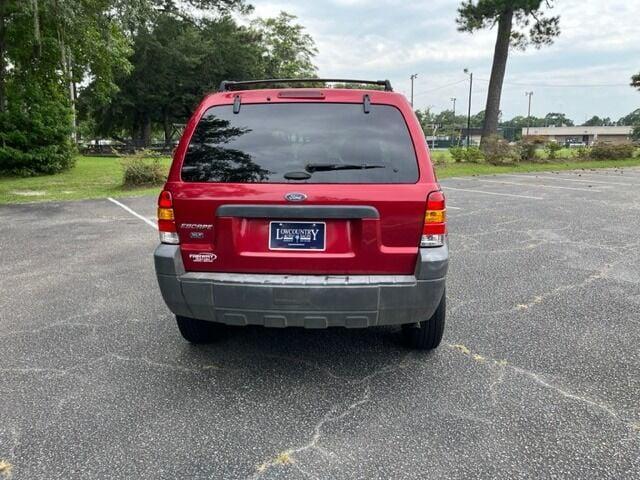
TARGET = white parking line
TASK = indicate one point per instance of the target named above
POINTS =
(539, 185)
(494, 193)
(558, 177)
(451, 207)
(144, 219)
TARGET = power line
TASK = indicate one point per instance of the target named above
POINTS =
(440, 87)
(562, 85)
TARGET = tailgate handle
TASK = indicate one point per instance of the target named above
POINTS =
(313, 212)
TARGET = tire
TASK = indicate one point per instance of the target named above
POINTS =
(198, 331)
(427, 334)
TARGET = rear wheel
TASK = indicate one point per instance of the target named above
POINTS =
(427, 334)
(198, 331)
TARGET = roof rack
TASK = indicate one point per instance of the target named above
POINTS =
(228, 86)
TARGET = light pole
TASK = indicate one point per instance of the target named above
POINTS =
(529, 94)
(412, 77)
(466, 70)
(453, 99)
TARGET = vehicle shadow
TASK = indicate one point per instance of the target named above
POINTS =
(341, 354)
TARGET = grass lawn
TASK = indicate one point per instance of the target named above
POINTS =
(467, 169)
(92, 177)
(100, 177)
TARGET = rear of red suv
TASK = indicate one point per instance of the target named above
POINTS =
(304, 207)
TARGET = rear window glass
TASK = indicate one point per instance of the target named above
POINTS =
(311, 142)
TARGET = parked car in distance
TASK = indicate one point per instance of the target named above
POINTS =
(303, 207)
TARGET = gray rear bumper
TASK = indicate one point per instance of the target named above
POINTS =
(310, 301)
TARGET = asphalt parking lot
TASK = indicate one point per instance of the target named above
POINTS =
(538, 375)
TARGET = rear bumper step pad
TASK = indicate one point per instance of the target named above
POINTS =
(309, 301)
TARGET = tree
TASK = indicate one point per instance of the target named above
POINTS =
(596, 121)
(520, 23)
(289, 51)
(557, 120)
(46, 48)
(635, 81)
(632, 118)
(175, 63)
(35, 130)
(425, 117)
(178, 59)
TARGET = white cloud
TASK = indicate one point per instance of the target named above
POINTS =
(599, 43)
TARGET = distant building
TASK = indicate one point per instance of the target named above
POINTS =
(475, 135)
(581, 135)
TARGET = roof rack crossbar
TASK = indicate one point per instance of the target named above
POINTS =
(228, 86)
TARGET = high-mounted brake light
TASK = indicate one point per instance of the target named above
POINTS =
(434, 230)
(166, 219)
(300, 94)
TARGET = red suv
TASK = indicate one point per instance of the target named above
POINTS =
(303, 207)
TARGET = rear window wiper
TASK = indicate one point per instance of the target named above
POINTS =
(325, 167)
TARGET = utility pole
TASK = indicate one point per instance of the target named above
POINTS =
(466, 70)
(412, 77)
(528, 94)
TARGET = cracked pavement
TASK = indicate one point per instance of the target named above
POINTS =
(538, 375)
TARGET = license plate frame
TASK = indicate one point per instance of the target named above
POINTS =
(297, 241)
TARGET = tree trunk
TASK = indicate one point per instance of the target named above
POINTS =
(72, 99)
(67, 71)
(500, 55)
(36, 27)
(3, 47)
(167, 129)
(146, 130)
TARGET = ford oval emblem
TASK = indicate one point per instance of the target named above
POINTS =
(295, 197)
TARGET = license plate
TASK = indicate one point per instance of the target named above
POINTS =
(297, 235)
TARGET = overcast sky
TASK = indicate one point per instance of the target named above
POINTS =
(586, 72)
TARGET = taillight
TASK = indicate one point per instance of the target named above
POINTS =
(166, 219)
(434, 230)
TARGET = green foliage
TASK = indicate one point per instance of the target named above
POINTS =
(464, 169)
(469, 155)
(552, 149)
(558, 120)
(550, 119)
(143, 169)
(498, 151)
(177, 60)
(529, 148)
(357, 86)
(583, 153)
(448, 124)
(438, 158)
(47, 47)
(457, 153)
(596, 121)
(609, 151)
(35, 131)
(288, 50)
(635, 81)
(632, 118)
(635, 134)
(476, 15)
